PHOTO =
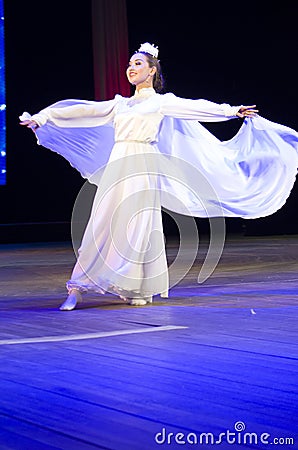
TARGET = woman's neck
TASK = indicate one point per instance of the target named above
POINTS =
(144, 86)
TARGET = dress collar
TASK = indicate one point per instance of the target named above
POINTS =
(144, 92)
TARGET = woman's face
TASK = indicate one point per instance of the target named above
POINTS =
(138, 70)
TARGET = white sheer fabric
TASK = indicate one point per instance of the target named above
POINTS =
(153, 153)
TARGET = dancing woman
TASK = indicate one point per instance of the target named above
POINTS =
(131, 148)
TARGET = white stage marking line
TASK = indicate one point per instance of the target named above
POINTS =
(78, 337)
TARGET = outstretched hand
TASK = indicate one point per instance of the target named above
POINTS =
(30, 124)
(247, 111)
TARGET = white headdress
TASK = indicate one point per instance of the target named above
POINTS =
(149, 48)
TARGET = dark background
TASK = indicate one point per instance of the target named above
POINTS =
(234, 52)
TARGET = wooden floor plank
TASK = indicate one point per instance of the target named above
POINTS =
(229, 364)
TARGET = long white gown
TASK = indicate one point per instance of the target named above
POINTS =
(149, 151)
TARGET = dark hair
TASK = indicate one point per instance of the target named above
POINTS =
(158, 79)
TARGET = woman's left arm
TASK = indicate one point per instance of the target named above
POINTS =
(203, 110)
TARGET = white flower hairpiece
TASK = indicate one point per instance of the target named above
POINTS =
(149, 48)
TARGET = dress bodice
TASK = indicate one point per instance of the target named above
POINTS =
(138, 118)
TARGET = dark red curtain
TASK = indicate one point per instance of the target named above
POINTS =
(110, 48)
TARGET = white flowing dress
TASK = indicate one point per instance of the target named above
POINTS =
(147, 152)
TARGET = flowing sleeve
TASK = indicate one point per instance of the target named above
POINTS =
(201, 110)
(81, 131)
(73, 113)
(249, 176)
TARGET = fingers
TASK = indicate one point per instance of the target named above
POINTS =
(29, 124)
(246, 114)
(250, 112)
(249, 107)
(247, 111)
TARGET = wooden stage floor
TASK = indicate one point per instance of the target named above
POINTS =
(215, 365)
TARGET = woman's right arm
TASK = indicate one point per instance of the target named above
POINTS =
(72, 113)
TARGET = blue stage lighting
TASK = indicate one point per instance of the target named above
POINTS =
(2, 99)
